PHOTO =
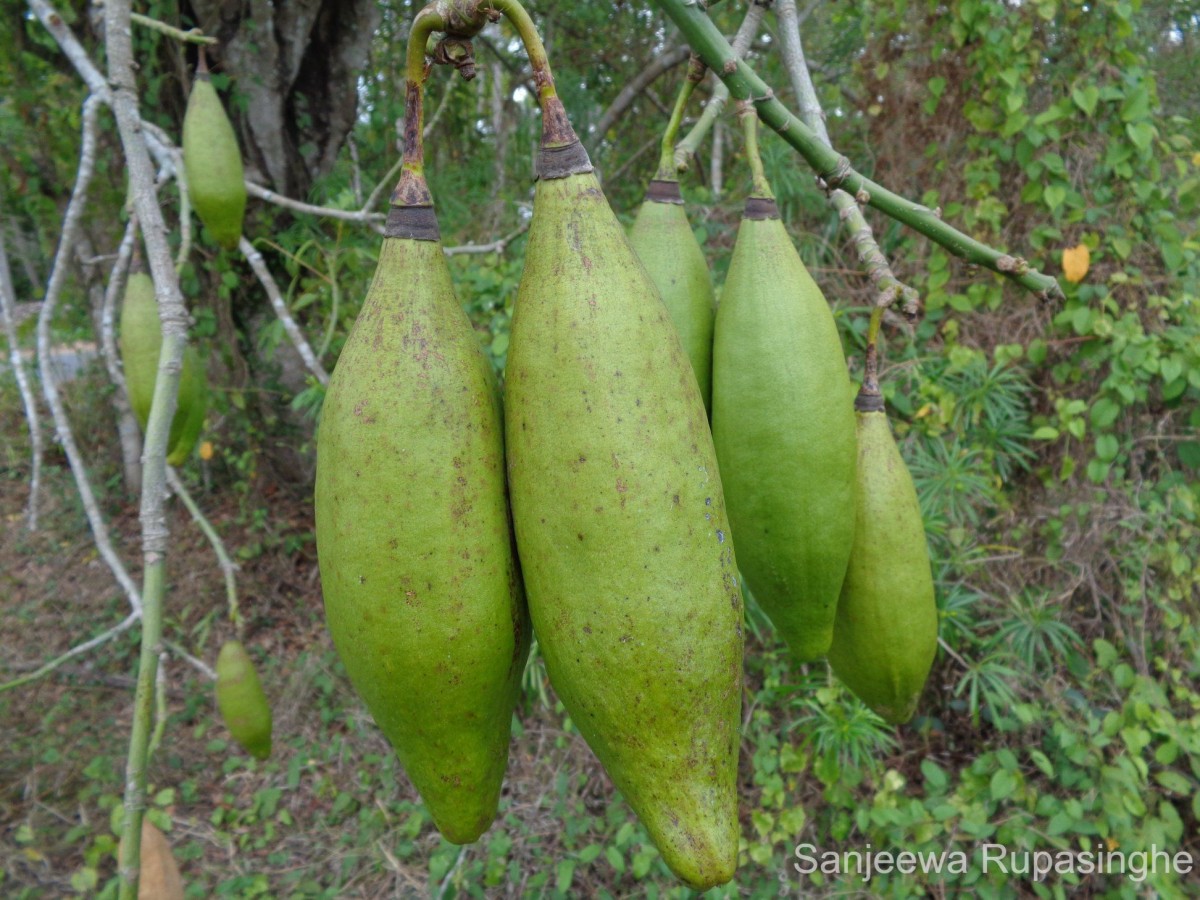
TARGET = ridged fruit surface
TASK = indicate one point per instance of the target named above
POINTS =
(241, 700)
(213, 163)
(418, 570)
(666, 245)
(885, 637)
(141, 344)
(783, 425)
(624, 544)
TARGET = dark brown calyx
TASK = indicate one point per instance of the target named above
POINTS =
(418, 223)
(561, 153)
(868, 402)
(559, 162)
(760, 208)
(662, 191)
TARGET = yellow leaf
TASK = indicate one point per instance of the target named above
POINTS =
(1075, 263)
(1196, 159)
(206, 451)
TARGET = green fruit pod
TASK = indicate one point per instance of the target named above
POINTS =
(784, 432)
(140, 345)
(620, 519)
(241, 700)
(666, 245)
(418, 569)
(213, 163)
(885, 636)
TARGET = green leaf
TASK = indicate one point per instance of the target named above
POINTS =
(1104, 412)
(1107, 447)
(642, 862)
(615, 859)
(1042, 762)
(1097, 470)
(1004, 783)
(1170, 368)
(1046, 433)
(589, 853)
(1136, 106)
(565, 875)
(935, 775)
(1106, 654)
(1086, 98)
(1037, 351)
(1174, 782)
(1189, 454)
(1141, 133)
(1054, 195)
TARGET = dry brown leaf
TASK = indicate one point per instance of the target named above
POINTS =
(159, 879)
(1075, 262)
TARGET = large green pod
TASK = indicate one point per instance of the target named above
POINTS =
(141, 344)
(213, 163)
(784, 431)
(241, 700)
(418, 569)
(667, 247)
(885, 638)
(624, 544)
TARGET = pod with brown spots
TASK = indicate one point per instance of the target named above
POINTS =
(624, 542)
(418, 569)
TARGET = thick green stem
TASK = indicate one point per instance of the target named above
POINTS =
(833, 168)
(760, 187)
(745, 36)
(666, 160)
(191, 36)
(155, 536)
(139, 737)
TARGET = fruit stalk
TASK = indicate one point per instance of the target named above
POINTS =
(760, 187)
(666, 161)
(557, 133)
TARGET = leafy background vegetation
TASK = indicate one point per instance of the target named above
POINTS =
(1055, 446)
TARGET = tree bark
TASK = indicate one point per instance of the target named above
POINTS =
(297, 65)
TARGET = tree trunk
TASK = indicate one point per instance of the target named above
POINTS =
(297, 64)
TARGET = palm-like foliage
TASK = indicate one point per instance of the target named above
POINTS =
(840, 728)
(1033, 631)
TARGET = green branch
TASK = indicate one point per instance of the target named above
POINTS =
(191, 36)
(833, 168)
